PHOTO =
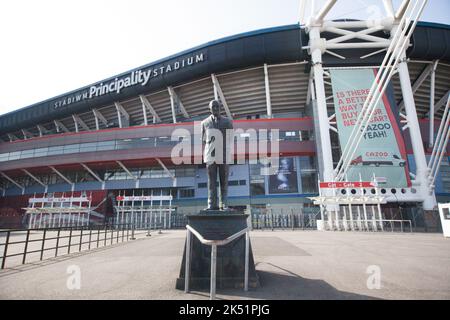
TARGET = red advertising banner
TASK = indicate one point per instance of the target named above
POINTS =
(344, 185)
(143, 198)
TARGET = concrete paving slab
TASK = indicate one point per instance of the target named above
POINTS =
(290, 264)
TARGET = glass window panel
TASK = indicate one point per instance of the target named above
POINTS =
(4, 156)
(257, 189)
(71, 148)
(187, 193)
(55, 150)
(106, 145)
(309, 182)
(27, 154)
(88, 147)
(14, 155)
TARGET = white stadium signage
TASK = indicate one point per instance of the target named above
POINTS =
(141, 76)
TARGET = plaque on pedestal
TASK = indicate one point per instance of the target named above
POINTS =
(218, 225)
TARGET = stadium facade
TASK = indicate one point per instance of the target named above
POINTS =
(113, 138)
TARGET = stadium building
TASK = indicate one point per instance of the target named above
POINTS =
(112, 139)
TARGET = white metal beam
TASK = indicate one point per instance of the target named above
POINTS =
(61, 175)
(34, 178)
(91, 172)
(99, 117)
(420, 80)
(122, 112)
(174, 99)
(26, 134)
(302, 11)
(126, 170)
(438, 106)
(358, 45)
(144, 113)
(79, 121)
(440, 147)
(42, 130)
(388, 6)
(268, 100)
(219, 92)
(165, 168)
(309, 92)
(318, 94)
(12, 137)
(60, 126)
(432, 94)
(12, 180)
(361, 34)
(356, 24)
(402, 9)
(416, 139)
(76, 124)
(146, 104)
(172, 106)
(324, 11)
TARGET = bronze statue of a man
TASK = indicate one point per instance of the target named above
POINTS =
(216, 134)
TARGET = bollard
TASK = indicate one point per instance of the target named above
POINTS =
(132, 233)
(148, 229)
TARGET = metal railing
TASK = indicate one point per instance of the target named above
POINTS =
(369, 225)
(91, 236)
(214, 244)
(284, 221)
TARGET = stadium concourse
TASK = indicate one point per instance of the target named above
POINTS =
(290, 265)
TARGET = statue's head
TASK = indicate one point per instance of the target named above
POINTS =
(214, 107)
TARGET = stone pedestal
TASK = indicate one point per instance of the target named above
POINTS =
(218, 225)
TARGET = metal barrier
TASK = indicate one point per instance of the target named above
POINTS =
(369, 225)
(106, 235)
(214, 244)
(285, 221)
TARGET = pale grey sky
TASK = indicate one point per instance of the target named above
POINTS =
(49, 47)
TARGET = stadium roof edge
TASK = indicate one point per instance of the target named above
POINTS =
(204, 46)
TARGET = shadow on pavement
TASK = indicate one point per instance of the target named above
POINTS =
(288, 286)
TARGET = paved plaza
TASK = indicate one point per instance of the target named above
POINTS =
(290, 265)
